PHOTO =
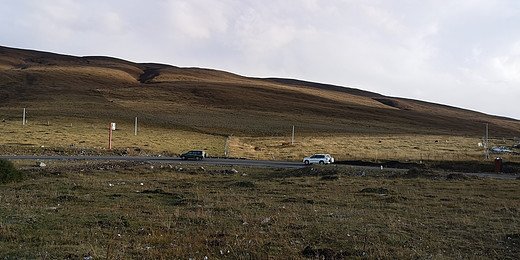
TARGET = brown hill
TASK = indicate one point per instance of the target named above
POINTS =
(215, 101)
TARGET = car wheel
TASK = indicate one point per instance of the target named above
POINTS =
(321, 162)
(198, 158)
(184, 158)
(306, 162)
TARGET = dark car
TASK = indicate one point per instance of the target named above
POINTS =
(196, 155)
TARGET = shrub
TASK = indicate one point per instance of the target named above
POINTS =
(8, 173)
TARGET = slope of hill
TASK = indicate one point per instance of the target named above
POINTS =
(214, 101)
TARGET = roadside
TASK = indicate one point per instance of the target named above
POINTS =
(402, 169)
(495, 175)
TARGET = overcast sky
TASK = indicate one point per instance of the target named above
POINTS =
(463, 53)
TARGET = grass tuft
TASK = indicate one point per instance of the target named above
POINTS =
(8, 172)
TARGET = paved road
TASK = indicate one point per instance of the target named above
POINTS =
(219, 161)
(213, 161)
(207, 161)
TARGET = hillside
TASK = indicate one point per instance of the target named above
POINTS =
(217, 102)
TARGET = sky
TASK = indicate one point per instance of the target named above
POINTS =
(462, 53)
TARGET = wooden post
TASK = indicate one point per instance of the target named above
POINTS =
(292, 140)
(110, 137)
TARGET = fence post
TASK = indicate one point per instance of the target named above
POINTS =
(110, 137)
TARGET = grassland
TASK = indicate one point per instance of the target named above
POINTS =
(122, 210)
(372, 148)
(90, 137)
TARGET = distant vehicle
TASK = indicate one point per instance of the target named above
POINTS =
(500, 149)
(195, 155)
(319, 158)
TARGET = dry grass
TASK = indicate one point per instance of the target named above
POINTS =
(373, 148)
(129, 210)
(91, 137)
(69, 134)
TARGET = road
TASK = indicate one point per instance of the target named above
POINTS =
(207, 161)
(213, 161)
(218, 161)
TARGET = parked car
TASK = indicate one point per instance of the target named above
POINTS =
(501, 149)
(319, 158)
(195, 154)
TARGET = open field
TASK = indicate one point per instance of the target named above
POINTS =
(90, 137)
(122, 210)
(372, 148)
(74, 136)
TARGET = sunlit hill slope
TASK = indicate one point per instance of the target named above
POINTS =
(212, 101)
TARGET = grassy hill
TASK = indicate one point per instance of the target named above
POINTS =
(101, 89)
(215, 101)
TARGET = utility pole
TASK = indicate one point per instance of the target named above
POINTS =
(110, 136)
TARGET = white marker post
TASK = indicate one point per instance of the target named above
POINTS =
(225, 147)
(23, 118)
(136, 126)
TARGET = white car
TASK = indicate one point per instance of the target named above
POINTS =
(319, 158)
